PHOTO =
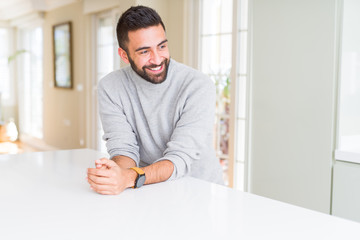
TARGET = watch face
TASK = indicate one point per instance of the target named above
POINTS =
(140, 181)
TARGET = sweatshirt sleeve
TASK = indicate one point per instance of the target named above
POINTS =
(118, 133)
(192, 136)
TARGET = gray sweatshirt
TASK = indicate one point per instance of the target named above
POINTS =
(173, 120)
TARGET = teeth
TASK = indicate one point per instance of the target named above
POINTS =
(156, 69)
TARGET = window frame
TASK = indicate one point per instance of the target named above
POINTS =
(96, 140)
(238, 164)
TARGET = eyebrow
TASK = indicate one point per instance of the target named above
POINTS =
(142, 48)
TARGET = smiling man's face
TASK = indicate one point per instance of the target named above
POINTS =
(148, 53)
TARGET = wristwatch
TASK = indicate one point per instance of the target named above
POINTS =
(140, 179)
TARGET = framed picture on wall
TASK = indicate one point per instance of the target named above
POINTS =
(62, 55)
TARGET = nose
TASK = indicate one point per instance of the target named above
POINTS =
(155, 58)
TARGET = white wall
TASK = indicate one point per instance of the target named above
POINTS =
(293, 101)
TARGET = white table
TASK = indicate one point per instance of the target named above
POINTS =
(45, 196)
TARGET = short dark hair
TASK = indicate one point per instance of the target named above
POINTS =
(133, 19)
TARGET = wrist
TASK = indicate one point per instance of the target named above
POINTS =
(140, 177)
(131, 177)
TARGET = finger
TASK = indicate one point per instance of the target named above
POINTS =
(93, 185)
(104, 192)
(98, 172)
(99, 165)
(101, 180)
(104, 189)
(100, 161)
(104, 161)
(99, 187)
(96, 186)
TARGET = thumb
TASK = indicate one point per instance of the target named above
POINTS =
(99, 165)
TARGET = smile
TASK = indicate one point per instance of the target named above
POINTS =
(156, 69)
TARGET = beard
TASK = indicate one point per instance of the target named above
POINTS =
(152, 78)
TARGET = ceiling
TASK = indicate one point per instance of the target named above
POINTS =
(12, 9)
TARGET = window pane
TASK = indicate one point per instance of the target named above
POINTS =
(243, 53)
(226, 16)
(216, 54)
(216, 16)
(243, 14)
(225, 52)
(105, 35)
(105, 59)
(210, 16)
(4, 76)
(106, 46)
(37, 83)
(4, 40)
(222, 83)
(31, 87)
(240, 140)
(209, 55)
(101, 143)
(241, 85)
(216, 61)
(4, 68)
(349, 122)
(239, 176)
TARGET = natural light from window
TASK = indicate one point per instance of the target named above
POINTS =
(215, 61)
(4, 68)
(31, 82)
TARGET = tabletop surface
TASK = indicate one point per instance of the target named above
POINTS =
(45, 196)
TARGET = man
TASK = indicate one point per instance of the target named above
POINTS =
(157, 114)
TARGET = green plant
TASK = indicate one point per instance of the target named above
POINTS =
(14, 56)
(222, 82)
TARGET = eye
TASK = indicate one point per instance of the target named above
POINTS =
(144, 52)
(163, 46)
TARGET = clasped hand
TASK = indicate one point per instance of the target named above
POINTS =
(108, 177)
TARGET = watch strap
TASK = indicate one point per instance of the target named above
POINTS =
(138, 170)
(140, 176)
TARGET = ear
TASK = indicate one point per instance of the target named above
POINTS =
(122, 53)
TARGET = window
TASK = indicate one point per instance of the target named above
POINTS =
(349, 111)
(215, 61)
(4, 69)
(31, 82)
(223, 32)
(242, 86)
(106, 59)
